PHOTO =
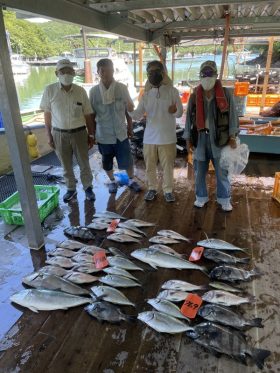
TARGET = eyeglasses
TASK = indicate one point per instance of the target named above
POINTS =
(207, 73)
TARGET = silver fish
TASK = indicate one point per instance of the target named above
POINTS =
(165, 306)
(119, 272)
(117, 252)
(83, 258)
(62, 252)
(61, 261)
(172, 234)
(224, 298)
(92, 249)
(215, 243)
(80, 278)
(108, 215)
(163, 240)
(225, 316)
(223, 286)
(86, 268)
(139, 223)
(123, 238)
(121, 262)
(162, 322)
(173, 296)
(181, 285)
(221, 257)
(102, 220)
(70, 245)
(97, 225)
(124, 224)
(233, 274)
(53, 270)
(111, 295)
(118, 281)
(127, 232)
(83, 233)
(106, 311)
(47, 300)
(167, 250)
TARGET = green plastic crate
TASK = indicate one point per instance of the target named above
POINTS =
(47, 200)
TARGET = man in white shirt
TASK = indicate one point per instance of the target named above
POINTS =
(69, 125)
(162, 105)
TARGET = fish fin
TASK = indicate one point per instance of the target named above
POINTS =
(257, 322)
(244, 260)
(256, 272)
(252, 299)
(259, 355)
(152, 265)
(34, 309)
(246, 251)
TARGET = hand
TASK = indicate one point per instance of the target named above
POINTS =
(190, 146)
(51, 142)
(91, 142)
(232, 142)
(172, 109)
(130, 106)
(130, 133)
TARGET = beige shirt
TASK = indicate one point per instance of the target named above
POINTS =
(68, 109)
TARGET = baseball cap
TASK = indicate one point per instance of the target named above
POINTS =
(209, 65)
(63, 63)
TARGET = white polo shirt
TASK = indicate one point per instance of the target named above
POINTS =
(68, 109)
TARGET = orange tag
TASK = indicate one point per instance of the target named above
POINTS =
(191, 305)
(113, 225)
(100, 260)
(196, 254)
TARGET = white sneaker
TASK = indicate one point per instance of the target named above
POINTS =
(199, 203)
(226, 206)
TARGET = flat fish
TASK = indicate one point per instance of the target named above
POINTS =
(70, 245)
(128, 232)
(121, 262)
(80, 278)
(106, 311)
(162, 322)
(124, 224)
(86, 268)
(62, 252)
(139, 223)
(181, 286)
(117, 252)
(165, 306)
(224, 298)
(226, 287)
(83, 258)
(118, 281)
(111, 295)
(233, 274)
(83, 233)
(53, 270)
(172, 234)
(123, 238)
(166, 249)
(163, 240)
(172, 295)
(97, 225)
(119, 272)
(215, 243)
(61, 261)
(108, 215)
(221, 257)
(92, 250)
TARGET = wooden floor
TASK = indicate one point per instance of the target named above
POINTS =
(72, 342)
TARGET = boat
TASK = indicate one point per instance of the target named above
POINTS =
(19, 66)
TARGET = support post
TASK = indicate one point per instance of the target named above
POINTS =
(87, 62)
(267, 68)
(226, 37)
(141, 64)
(173, 64)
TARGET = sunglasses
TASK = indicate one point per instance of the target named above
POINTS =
(207, 73)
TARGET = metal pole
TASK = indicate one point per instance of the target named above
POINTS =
(87, 62)
(173, 63)
(16, 141)
(267, 68)
(227, 17)
(140, 64)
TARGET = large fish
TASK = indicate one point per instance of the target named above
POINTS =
(167, 250)
(215, 243)
(83, 233)
(102, 220)
(100, 226)
(83, 258)
(162, 322)
(165, 306)
(163, 240)
(224, 298)
(123, 238)
(92, 249)
(219, 339)
(80, 278)
(139, 223)
(233, 274)
(225, 316)
(121, 262)
(61, 261)
(111, 295)
(51, 282)
(128, 232)
(156, 258)
(119, 272)
(47, 300)
(124, 224)
(70, 245)
(118, 281)
(181, 286)
(54, 270)
(59, 251)
(222, 286)
(108, 215)
(221, 257)
(106, 311)
(86, 267)
(172, 295)
(172, 234)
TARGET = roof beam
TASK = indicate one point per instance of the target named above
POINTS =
(219, 34)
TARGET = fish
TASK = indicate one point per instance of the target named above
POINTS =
(117, 252)
(224, 298)
(219, 339)
(83, 233)
(92, 249)
(172, 295)
(223, 286)
(162, 322)
(83, 258)
(123, 238)
(106, 311)
(118, 281)
(156, 258)
(181, 286)
(124, 224)
(172, 234)
(80, 278)
(121, 262)
(139, 223)
(97, 225)
(221, 257)
(108, 215)
(52, 282)
(128, 232)
(163, 240)
(233, 274)
(102, 220)
(167, 250)
(215, 243)
(62, 252)
(47, 300)
(165, 306)
(224, 315)
(70, 245)
(119, 272)
(86, 267)
(111, 295)
(53, 270)
(61, 261)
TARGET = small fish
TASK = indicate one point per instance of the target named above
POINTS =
(181, 286)
(121, 262)
(221, 257)
(53, 270)
(223, 286)
(102, 220)
(165, 306)
(111, 295)
(108, 215)
(163, 240)
(106, 311)
(118, 281)
(83, 258)
(97, 225)
(70, 245)
(80, 278)
(124, 224)
(83, 233)
(128, 232)
(62, 252)
(167, 250)
(61, 261)
(215, 243)
(173, 296)
(172, 234)
(224, 298)
(162, 322)
(233, 274)
(119, 272)
(225, 316)
(92, 249)
(123, 238)
(139, 223)
(117, 252)
(86, 268)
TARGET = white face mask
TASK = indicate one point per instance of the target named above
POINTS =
(66, 79)
(208, 83)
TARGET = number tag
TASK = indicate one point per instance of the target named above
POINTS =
(196, 254)
(113, 225)
(191, 306)
(100, 260)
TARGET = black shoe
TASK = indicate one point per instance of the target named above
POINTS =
(89, 194)
(69, 195)
(150, 195)
(135, 186)
(113, 187)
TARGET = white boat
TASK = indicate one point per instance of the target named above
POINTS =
(18, 65)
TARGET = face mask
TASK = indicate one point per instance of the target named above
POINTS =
(66, 79)
(155, 78)
(208, 83)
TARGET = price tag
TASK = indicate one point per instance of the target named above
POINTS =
(113, 225)
(100, 260)
(196, 254)
(191, 305)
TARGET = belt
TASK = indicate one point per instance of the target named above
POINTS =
(69, 131)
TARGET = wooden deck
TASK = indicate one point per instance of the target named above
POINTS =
(72, 342)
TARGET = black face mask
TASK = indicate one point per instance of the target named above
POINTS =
(155, 78)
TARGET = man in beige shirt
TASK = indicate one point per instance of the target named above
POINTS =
(69, 125)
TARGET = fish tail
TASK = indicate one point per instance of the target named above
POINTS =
(130, 318)
(244, 260)
(246, 251)
(251, 299)
(259, 356)
(257, 322)
(256, 272)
